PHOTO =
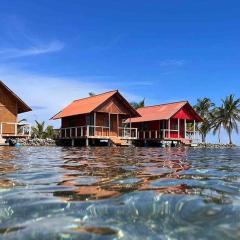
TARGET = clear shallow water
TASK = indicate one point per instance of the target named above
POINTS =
(119, 193)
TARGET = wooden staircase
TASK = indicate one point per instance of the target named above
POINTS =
(119, 142)
(186, 142)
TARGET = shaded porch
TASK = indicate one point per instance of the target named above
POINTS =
(170, 129)
(101, 126)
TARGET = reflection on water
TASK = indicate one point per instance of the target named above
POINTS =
(119, 193)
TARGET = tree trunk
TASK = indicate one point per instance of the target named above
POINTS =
(219, 139)
(230, 136)
(203, 138)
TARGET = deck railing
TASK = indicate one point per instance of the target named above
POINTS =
(126, 133)
(97, 131)
(164, 134)
(10, 129)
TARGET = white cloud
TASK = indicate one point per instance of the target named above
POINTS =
(47, 95)
(172, 62)
(53, 46)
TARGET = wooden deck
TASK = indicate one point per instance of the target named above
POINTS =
(15, 130)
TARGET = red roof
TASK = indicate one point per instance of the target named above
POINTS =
(163, 112)
(22, 106)
(89, 104)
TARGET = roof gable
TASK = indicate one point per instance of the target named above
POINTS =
(158, 112)
(187, 112)
(94, 103)
(22, 106)
(162, 112)
(113, 105)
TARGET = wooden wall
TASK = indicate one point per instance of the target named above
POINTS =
(74, 121)
(8, 110)
(113, 105)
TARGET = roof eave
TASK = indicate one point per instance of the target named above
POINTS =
(25, 106)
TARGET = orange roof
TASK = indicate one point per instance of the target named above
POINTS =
(89, 104)
(159, 112)
(22, 106)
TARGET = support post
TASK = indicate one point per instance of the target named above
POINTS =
(178, 128)
(117, 124)
(130, 126)
(169, 126)
(87, 142)
(87, 130)
(194, 129)
(73, 142)
(160, 129)
(109, 122)
(185, 128)
(94, 124)
(16, 129)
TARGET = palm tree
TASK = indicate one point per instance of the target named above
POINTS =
(49, 132)
(204, 108)
(22, 120)
(38, 130)
(137, 105)
(91, 94)
(231, 108)
(218, 120)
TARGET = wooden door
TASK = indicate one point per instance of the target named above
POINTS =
(113, 125)
(182, 128)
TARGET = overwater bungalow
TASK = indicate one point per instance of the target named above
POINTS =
(98, 119)
(169, 122)
(10, 106)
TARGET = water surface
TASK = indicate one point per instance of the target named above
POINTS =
(119, 193)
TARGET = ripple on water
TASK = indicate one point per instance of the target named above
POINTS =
(119, 193)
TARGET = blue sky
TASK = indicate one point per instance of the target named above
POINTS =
(52, 52)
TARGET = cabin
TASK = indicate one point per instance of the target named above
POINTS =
(168, 122)
(10, 106)
(98, 118)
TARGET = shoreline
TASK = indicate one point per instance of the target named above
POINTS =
(216, 145)
(35, 142)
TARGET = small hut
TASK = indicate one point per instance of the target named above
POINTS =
(98, 118)
(170, 122)
(10, 106)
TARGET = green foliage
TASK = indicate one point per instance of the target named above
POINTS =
(204, 108)
(137, 105)
(227, 116)
(39, 131)
(91, 94)
(231, 115)
(49, 132)
(22, 120)
(217, 119)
